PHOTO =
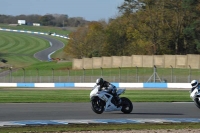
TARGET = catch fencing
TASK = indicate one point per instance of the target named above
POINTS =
(123, 75)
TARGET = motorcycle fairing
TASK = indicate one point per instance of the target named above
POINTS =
(94, 92)
(120, 91)
(107, 98)
(195, 93)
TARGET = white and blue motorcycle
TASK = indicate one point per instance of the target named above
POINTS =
(103, 101)
(195, 96)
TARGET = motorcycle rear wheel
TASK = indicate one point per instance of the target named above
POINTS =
(127, 105)
(97, 105)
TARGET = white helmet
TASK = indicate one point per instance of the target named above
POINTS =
(99, 81)
(194, 83)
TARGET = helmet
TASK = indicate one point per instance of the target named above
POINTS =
(194, 83)
(99, 81)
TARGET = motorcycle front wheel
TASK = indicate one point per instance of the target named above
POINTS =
(197, 102)
(127, 105)
(97, 105)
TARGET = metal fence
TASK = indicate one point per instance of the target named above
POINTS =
(125, 75)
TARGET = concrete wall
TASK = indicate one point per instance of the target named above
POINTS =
(137, 60)
(193, 61)
(163, 61)
(147, 61)
(126, 61)
(181, 61)
(97, 61)
(107, 62)
(87, 63)
(116, 61)
(169, 61)
(159, 61)
(77, 64)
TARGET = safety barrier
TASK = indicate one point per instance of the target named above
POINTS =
(33, 32)
(88, 85)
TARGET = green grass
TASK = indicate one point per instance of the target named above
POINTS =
(56, 96)
(50, 65)
(18, 49)
(127, 74)
(99, 127)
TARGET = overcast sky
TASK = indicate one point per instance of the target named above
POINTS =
(88, 9)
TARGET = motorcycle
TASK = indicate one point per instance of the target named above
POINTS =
(195, 96)
(103, 101)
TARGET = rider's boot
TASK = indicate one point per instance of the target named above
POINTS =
(117, 99)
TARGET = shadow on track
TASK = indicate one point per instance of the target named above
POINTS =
(148, 114)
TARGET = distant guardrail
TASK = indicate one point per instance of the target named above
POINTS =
(34, 32)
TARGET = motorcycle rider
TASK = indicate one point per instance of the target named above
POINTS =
(195, 84)
(110, 88)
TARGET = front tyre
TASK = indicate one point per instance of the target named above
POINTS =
(127, 105)
(97, 105)
(197, 102)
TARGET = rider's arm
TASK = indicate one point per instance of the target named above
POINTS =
(99, 88)
(192, 89)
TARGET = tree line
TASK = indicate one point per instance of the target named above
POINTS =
(58, 20)
(143, 27)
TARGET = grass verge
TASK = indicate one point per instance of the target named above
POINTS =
(56, 96)
(99, 127)
(18, 49)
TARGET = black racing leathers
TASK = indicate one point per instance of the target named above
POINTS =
(105, 85)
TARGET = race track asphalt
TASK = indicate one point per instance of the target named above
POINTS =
(55, 45)
(78, 111)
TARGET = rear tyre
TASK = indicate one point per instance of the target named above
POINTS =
(127, 105)
(97, 105)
